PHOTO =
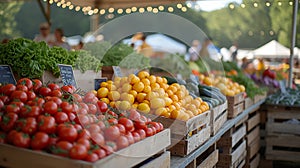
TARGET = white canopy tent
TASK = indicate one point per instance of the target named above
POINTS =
(272, 49)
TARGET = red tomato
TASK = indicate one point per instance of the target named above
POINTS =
(161, 126)
(84, 142)
(92, 157)
(98, 139)
(84, 106)
(136, 136)
(134, 115)
(56, 93)
(27, 125)
(8, 89)
(130, 137)
(75, 108)
(77, 98)
(84, 134)
(52, 140)
(53, 86)
(78, 152)
(39, 141)
(19, 95)
(12, 108)
(88, 98)
(71, 116)
(18, 103)
(100, 152)
(93, 128)
(22, 88)
(50, 107)
(102, 106)
(101, 124)
(46, 124)
(30, 111)
(2, 137)
(154, 130)
(112, 121)
(82, 119)
(31, 95)
(142, 133)
(77, 127)
(112, 144)
(82, 111)
(121, 128)
(67, 133)
(8, 121)
(122, 142)
(67, 89)
(10, 136)
(44, 91)
(37, 84)
(140, 125)
(57, 100)
(92, 109)
(66, 107)
(111, 133)
(61, 117)
(108, 149)
(1, 104)
(62, 148)
(155, 125)
(149, 131)
(21, 140)
(113, 114)
(5, 99)
(127, 123)
(27, 82)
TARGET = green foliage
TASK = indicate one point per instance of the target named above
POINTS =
(116, 54)
(86, 61)
(7, 19)
(97, 49)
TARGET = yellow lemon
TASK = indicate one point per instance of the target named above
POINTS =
(175, 114)
(157, 102)
(140, 97)
(139, 86)
(161, 111)
(105, 100)
(144, 108)
(102, 92)
(143, 74)
(152, 79)
(168, 101)
(103, 84)
(114, 95)
(147, 89)
(111, 87)
(133, 92)
(126, 87)
(124, 105)
(146, 82)
(132, 79)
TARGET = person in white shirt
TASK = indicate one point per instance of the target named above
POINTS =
(59, 34)
(45, 34)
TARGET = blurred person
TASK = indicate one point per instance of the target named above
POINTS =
(5, 41)
(59, 34)
(245, 63)
(204, 49)
(79, 46)
(194, 51)
(45, 34)
(145, 48)
(234, 51)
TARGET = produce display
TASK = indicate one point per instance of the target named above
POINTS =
(59, 121)
(151, 94)
(30, 59)
(290, 98)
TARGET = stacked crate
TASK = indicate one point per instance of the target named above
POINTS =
(235, 105)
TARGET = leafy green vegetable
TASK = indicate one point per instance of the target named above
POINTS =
(86, 61)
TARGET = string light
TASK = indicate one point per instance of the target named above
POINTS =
(291, 3)
(58, 4)
(111, 10)
(120, 11)
(77, 8)
(161, 8)
(55, 1)
(90, 12)
(189, 5)
(183, 9)
(68, 3)
(279, 3)
(170, 9)
(71, 7)
(231, 6)
(141, 10)
(50, 2)
(255, 5)
(102, 12)
(155, 10)
(64, 6)
(134, 9)
(243, 5)
(268, 4)
(128, 10)
(271, 33)
(96, 10)
(250, 33)
(179, 6)
(149, 8)
(262, 33)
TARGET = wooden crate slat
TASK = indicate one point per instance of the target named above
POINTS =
(163, 161)
(234, 156)
(186, 146)
(238, 135)
(216, 125)
(253, 148)
(15, 157)
(235, 99)
(248, 102)
(257, 98)
(283, 155)
(283, 140)
(235, 110)
(253, 121)
(253, 135)
(277, 127)
(218, 110)
(230, 139)
(283, 113)
(254, 163)
(210, 161)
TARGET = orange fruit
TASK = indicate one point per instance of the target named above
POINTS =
(102, 92)
(132, 79)
(155, 86)
(140, 97)
(133, 92)
(114, 95)
(144, 108)
(139, 86)
(152, 79)
(105, 100)
(146, 82)
(126, 87)
(147, 89)
(159, 80)
(143, 74)
(174, 114)
(157, 103)
(103, 84)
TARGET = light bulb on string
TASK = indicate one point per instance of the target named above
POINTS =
(279, 3)
(189, 5)
(243, 5)
(83, 9)
(58, 4)
(102, 12)
(271, 33)
(134, 9)
(71, 7)
(183, 9)
(149, 8)
(96, 10)
(55, 1)
(255, 5)
(50, 2)
(77, 8)
(291, 3)
(179, 6)
(170, 9)
(111, 10)
(91, 12)
(128, 10)
(68, 3)
(120, 11)
(268, 4)
(231, 6)
(161, 8)
(62, 1)
(155, 10)
(141, 10)
(64, 6)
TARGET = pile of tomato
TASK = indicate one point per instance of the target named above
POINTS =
(61, 121)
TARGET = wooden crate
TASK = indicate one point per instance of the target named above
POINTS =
(283, 147)
(253, 120)
(258, 98)
(235, 159)
(254, 162)
(13, 157)
(278, 118)
(160, 161)
(108, 72)
(253, 149)
(236, 99)
(218, 118)
(235, 110)
(253, 135)
(248, 102)
(207, 159)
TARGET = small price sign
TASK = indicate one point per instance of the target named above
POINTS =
(67, 75)
(117, 71)
(282, 86)
(6, 75)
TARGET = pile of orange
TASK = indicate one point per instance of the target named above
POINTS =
(151, 94)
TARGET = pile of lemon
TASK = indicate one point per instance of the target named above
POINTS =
(151, 94)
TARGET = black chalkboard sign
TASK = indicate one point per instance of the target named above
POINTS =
(6, 75)
(67, 75)
(98, 82)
